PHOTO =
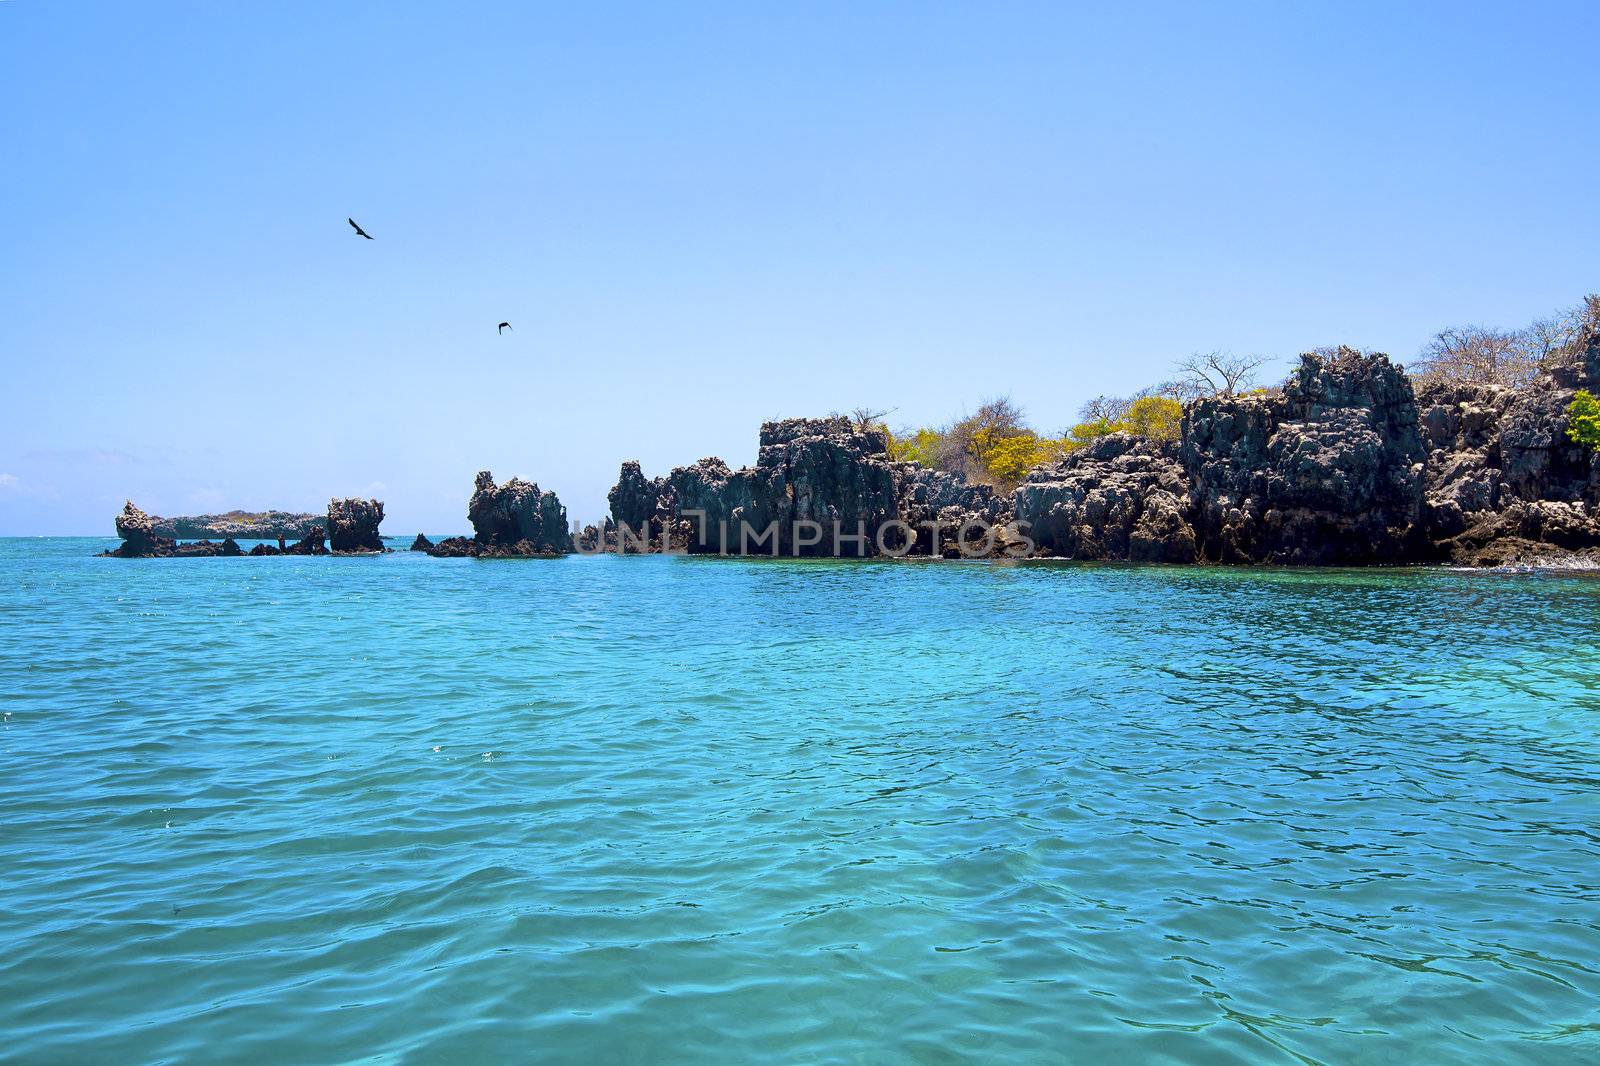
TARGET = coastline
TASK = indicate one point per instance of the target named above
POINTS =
(1349, 463)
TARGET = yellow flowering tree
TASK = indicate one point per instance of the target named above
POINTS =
(1156, 417)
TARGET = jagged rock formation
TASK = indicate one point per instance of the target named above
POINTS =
(1328, 472)
(353, 525)
(514, 520)
(313, 543)
(639, 502)
(240, 525)
(820, 487)
(1344, 465)
(140, 541)
(1505, 484)
(1121, 497)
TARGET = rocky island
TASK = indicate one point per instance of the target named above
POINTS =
(1350, 462)
(512, 521)
(1347, 463)
(239, 525)
(353, 524)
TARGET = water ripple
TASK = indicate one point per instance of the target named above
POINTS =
(650, 809)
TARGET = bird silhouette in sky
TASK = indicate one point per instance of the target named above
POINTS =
(359, 231)
(502, 327)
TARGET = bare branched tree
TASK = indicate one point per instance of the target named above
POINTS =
(1105, 408)
(957, 450)
(1479, 355)
(868, 418)
(1550, 334)
(1213, 374)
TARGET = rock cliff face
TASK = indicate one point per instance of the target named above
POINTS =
(820, 487)
(1344, 465)
(353, 525)
(514, 520)
(1329, 472)
(1505, 484)
(1119, 498)
(639, 502)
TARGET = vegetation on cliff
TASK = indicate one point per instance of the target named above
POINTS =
(996, 447)
(1583, 417)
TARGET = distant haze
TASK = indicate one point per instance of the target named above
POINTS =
(699, 216)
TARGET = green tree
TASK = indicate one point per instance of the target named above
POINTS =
(1583, 418)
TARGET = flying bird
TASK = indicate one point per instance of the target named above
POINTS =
(359, 231)
(502, 327)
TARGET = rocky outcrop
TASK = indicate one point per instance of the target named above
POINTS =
(421, 544)
(638, 502)
(820, 487)
(512, 521)
(1119, 498)
(1505, 483)
(1330, 471)
(353, 525)
(948, 514)
(139, 541)
(313, 543)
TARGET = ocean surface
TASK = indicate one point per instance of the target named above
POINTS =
(672, 810)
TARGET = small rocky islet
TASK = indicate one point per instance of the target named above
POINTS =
(1349, 463)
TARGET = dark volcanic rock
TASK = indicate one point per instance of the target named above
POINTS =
(818, 485)
(471, 548)
(1120, 498)
(1505, 484)
(353, 525)
(511, 521)
(940, 508)
(517, 512)
(139, 542)
(421, 544)
(139, 539)
(313, 543)
(1330, 472)
(636, 500)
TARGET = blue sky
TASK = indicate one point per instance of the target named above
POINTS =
(701, 216)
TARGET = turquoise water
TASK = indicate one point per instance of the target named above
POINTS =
(695, 810)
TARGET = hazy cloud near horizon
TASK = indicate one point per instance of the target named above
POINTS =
(698, 220)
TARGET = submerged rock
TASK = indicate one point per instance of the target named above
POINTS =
(353, 525)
